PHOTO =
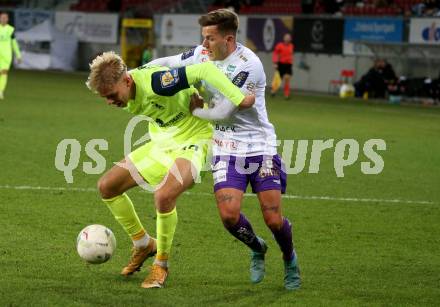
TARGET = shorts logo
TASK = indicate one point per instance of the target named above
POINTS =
(240, 78)
(219, 165)
(219, 176)
(169, 78)
(268, 172)
(268, 163)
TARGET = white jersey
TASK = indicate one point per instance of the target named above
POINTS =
(246, 132)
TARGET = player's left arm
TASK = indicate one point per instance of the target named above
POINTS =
(15, 47)
(246, 80)
(183, 59)
(207, 71)
(170, 82)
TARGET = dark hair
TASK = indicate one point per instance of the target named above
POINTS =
(225, 20)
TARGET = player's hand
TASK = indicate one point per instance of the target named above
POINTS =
(247, 102)
(196, 102)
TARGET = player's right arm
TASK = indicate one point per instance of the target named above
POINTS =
(208, 72)
(250, 79)
(179, 60)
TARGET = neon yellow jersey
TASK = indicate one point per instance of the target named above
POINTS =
(164, 96)
(8, 42)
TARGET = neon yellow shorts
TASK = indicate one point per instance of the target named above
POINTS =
(153, 162)
(5, 62)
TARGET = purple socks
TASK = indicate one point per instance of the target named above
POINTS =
(284, 239)
(243, 231)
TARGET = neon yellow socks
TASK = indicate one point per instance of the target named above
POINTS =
(165, 227)
(123, 210)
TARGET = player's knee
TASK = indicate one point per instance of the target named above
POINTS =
(273, 221)
(230, 219)
(163, 199)
(106, 188)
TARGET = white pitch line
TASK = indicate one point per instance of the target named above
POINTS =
(288, 196)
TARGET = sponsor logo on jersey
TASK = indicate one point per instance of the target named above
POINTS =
(171, 122)
(224, 128)
(231, 145)
(188, 54)
(169, 78)
(231, 68)
(250, 86)
(158, 106)
(191, 147)
(240, 78)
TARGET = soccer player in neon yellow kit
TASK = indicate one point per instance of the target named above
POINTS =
(173, 158)
(8, 43)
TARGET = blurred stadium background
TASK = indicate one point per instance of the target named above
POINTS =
(363, 240)
(330, 36)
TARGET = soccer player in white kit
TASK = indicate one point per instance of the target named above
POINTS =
(244, 143)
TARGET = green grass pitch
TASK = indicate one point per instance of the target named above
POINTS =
(362, 240)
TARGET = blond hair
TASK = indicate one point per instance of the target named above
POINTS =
(225, 20)
(105, 71)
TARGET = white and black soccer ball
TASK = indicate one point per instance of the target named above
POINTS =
(96, 244)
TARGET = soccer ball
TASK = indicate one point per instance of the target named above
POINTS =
(95, 244)
(346, 90)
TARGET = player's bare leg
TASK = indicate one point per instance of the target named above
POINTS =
(3, 81)
(281, 228)
(286, 88)
(228, 204)
(179, 179)
(112, 187)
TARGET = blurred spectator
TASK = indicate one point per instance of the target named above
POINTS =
(426, 8)
(431, 7)
(380, 3)
(376, 83)
(114, 5)
(234, 5)
(332, 6)
(307, 6)
(147, 55)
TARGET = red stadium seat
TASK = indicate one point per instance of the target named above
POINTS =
(345, 76)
